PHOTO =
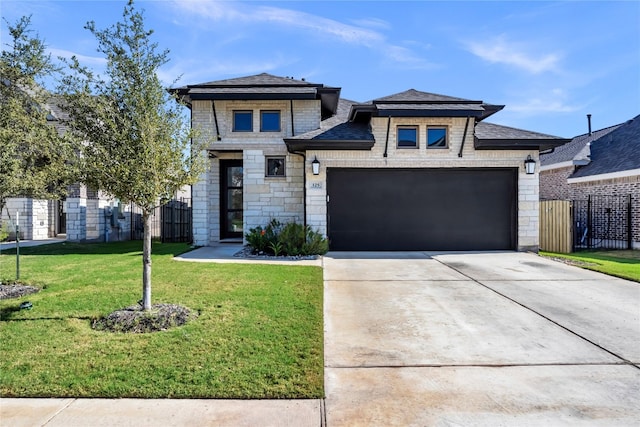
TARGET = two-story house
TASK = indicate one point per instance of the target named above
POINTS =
(411, 171)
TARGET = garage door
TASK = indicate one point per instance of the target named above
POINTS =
(421, 209)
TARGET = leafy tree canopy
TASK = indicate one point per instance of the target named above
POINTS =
(36, 154)
(138, 142)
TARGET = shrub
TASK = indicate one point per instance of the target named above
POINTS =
(5, 230)
(291, 239)
(262, 239)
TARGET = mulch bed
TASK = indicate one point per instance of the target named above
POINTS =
(16, 290)
(247, 252)
(135, 320)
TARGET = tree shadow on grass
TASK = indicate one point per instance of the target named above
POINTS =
(133, 247)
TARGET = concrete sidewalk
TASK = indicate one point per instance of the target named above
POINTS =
(430, 339)
(159, 412)
(29, 243)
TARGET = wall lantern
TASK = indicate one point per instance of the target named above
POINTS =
(530, 165)
(315, 166)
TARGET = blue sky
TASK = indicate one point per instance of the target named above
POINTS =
(550, 63)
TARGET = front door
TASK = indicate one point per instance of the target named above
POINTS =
(230, 199)
(61, 218)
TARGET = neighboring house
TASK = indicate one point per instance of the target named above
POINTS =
(605, 162)
(411, 171)
(84, 215)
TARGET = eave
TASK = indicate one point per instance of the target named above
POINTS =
(518, 144)
(327, 144)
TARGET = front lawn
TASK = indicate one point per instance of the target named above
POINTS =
(258, 334)
(625, 264)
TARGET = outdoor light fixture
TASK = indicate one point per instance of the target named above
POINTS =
(530, 165)
(315, 166)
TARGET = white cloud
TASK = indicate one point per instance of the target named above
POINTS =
(500, 50)
(358, 34)
(553, 101)
(83, 59)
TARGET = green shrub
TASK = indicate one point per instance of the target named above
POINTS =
(5, 230)
(262, 239)
(291, 239)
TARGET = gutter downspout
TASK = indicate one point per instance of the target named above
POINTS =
(215, 120)
(293, 130)
(464, 136)
(304, 184)
(386, 142)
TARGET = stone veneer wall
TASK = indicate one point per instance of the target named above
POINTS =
(264, 197)
(528, 189)
(34, 217)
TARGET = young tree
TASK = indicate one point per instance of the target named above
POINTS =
(138, 141)
(35, 159)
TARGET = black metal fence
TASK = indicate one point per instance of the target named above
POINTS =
(602, 222)
(171, 222)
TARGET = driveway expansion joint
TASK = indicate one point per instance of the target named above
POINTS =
(625, 361)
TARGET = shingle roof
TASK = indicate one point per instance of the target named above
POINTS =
(439, 107)
(414, 103)
(576, 149)
(485, 130)
(618, 150)
(339, 128)
(413, 95)
(494, 137)
(261, 87)
(335, 133)
(263, 79)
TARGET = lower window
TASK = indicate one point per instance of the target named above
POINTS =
(275, 166)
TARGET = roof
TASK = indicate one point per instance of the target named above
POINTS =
(616, 151)
(575, 150)
(413, 95)
(335, 133)
(490, 136)
(261, 87)
(414, 103)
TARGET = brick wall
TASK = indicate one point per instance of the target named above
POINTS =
(614, 187)
(553, 184)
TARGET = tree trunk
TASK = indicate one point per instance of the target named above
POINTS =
(146, 261)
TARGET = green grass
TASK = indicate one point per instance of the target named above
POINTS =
(259, 333)
(623, 263)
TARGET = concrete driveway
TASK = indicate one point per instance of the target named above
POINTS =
(478, 339)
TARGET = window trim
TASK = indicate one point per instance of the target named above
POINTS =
(446, 137)
(279, 120)
(250, 112)
(416, 128)
(266, 166)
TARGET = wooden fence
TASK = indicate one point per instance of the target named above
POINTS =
(556, 226)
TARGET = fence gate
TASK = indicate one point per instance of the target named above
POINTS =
(175, 217)
(170, 222)
(556, 226)
(602, 222)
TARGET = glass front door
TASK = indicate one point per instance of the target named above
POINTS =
(231, 218)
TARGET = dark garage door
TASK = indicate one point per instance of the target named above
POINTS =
(422, 209)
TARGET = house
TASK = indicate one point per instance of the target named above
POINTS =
(604, 162)
(84, 215)
(410, 171)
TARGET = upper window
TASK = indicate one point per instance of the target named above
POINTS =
(269, 121)
(275, 166)
(243, 121)
(437, 137)
(408, 136)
